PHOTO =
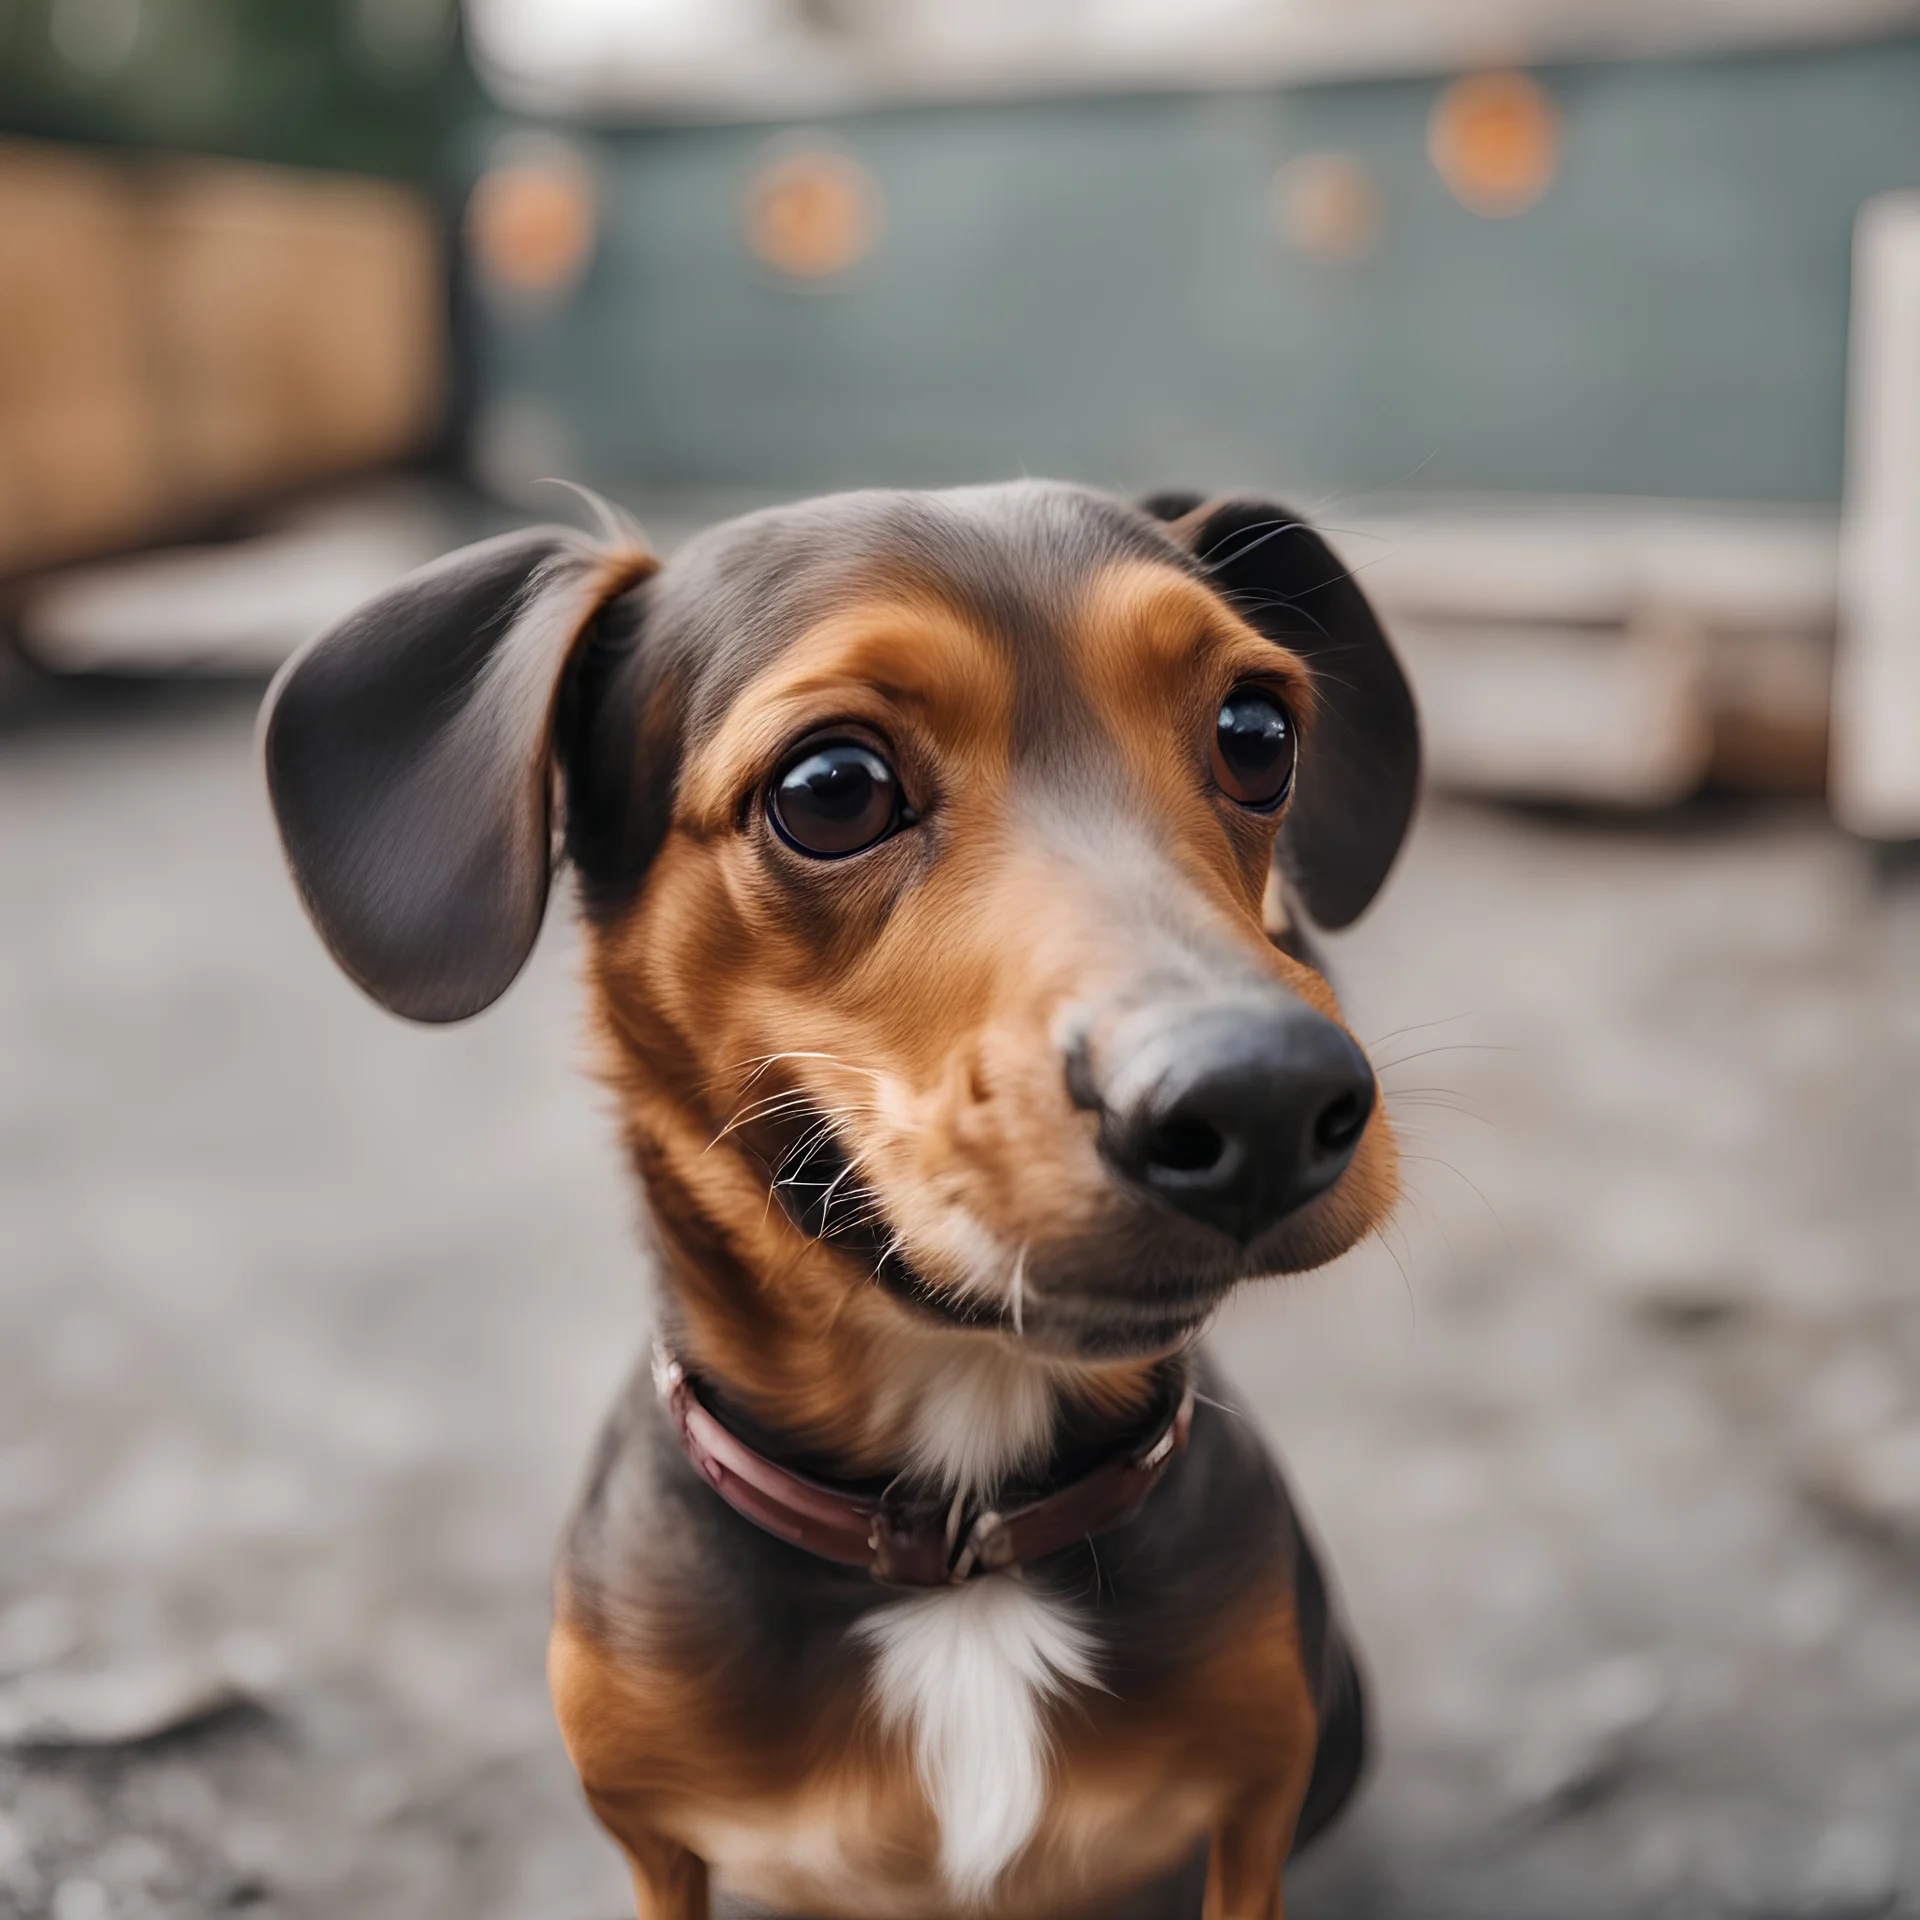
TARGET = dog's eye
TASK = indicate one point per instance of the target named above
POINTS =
(1253, 748)
(834, 797)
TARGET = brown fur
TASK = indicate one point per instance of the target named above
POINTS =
(1223, 1755)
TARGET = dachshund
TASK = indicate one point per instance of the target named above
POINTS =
(945, 864)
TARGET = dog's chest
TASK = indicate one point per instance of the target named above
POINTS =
(976, 1795)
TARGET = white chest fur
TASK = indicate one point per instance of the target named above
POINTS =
(966, 1674)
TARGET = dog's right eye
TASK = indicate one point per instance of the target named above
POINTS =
(835, 797)
(1253, 749)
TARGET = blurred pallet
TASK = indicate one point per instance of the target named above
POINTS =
(1613, 653)
(180, 337)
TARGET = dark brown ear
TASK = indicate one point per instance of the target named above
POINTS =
(408, 756)
(1360, 769)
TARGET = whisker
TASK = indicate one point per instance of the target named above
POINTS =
(1493, 1212)
(760, 1110)
(784, 1103)
(1406, 1282)
(1266, 530)
(833, 1186)
(1432, 1223)
(1441, 1099)
(886, 1253)
(830, 1118)
(1219, 1406)
(1418, 1026)
(804, 1148)
(761, 1062)
(1291, 605)
(1453, 1046)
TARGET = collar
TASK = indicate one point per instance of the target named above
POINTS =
(906, 1542)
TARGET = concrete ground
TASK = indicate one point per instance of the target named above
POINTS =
(306, 1319)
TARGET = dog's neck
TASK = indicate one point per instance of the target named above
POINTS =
(863, 1390)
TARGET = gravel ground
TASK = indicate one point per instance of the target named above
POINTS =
(306, 1319)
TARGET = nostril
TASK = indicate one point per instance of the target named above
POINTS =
(1235, 1113)
(1185, 1145)
(1341, 1122)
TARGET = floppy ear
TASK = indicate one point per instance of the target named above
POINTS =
(1360, 769)
(409, 758)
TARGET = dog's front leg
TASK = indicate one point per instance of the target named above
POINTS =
(622, 1753)
(669, 1883)
(1250, 1846)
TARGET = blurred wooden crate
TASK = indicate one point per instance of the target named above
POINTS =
(180, 336)
(1611, 652)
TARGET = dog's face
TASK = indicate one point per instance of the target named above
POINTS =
(928, 852)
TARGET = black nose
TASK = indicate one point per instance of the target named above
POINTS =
(1235, 1114)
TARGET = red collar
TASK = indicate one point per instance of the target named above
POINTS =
(912, 1543)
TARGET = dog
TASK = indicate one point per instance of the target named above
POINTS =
(944, 863)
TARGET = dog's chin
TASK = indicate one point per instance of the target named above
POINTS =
(1094, 1324)
(1099, 1335)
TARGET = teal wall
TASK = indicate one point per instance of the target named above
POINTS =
(1093, 288)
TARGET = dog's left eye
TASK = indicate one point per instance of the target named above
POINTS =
(835, 797)
(1253, 748)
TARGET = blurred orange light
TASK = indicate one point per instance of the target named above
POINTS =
(530, 222)
(1328, 206)
(812, 213)
(1495, 140)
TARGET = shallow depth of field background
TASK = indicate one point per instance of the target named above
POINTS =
(1589, 329)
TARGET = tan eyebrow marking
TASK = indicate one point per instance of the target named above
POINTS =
(912, 658)
(1144, 631)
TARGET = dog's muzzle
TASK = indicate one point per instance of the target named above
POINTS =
(1234, 1112)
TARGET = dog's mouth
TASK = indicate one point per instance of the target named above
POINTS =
(816, 1185)
(819, 1189)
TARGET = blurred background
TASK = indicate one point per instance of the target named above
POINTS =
(1589, 330)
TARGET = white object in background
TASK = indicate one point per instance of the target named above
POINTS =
(1607, 652)
(240, 607)
(1875, 781)
(775, 58)
(1536, 711)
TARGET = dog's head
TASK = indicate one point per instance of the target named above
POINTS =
(935, 852)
